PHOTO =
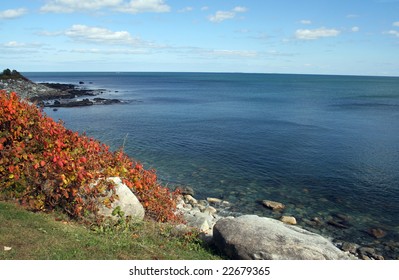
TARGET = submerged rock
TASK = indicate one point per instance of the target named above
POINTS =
(377, 233)
(274, 205)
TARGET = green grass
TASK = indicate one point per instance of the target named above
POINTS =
(39, 236)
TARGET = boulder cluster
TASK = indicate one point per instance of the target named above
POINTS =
(252, 237)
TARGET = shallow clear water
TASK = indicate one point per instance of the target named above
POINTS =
(322, 145)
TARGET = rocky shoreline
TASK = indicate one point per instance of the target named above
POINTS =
(205, 215)
(55, 95)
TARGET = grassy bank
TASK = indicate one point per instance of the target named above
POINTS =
(39, 236)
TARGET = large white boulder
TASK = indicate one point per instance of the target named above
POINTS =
(257, 238)
(127, 202)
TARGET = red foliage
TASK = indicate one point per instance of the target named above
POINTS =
(46, 165)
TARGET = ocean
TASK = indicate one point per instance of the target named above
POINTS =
(325, 146)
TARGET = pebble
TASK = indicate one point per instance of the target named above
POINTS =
(189, 199)
(317, 220)
(276, 206)
(186, 190)
(377, 233)
(210, 210)
(225, 203)
(337, 224)
(367, 253)
(349, 247)
(214, 200)
(288, 220)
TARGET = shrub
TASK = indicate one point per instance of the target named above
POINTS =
(45, 166)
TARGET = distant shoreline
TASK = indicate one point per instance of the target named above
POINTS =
(55, 94)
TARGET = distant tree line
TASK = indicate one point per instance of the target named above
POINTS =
(8, 74)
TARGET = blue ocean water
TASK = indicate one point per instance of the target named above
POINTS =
(322, 145)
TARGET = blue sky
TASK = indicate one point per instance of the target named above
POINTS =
(355, 37)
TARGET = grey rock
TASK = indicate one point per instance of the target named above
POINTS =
(349, 247)
(199, 221)
(251, 237)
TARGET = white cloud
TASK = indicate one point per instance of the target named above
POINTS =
(141, 6)
(205, 8)
(313, 34)
(12, 13)
(186, 9)
(306, 21)
(239, 9)
(69, 6)
(49, 33)
(110, 51)
(352, 16)
(132, 6)
(220, 16)
(396, 23)
(18, 45)
(393, 33)
(100, 35)
(14, 44)
(355, 29)
(232, 53)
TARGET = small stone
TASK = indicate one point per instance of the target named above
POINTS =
(201, 207)
(342, 217)
(185, 190)
(338, 224)
(369, 253)
(6, 248)
(276, 206)
(288, 220)
(213, 200)
(349, 247)
(210, 210)
(377, 233)
(203, 203)
(189, 199)
(366, 251)
(225, 203)
(317, 220)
